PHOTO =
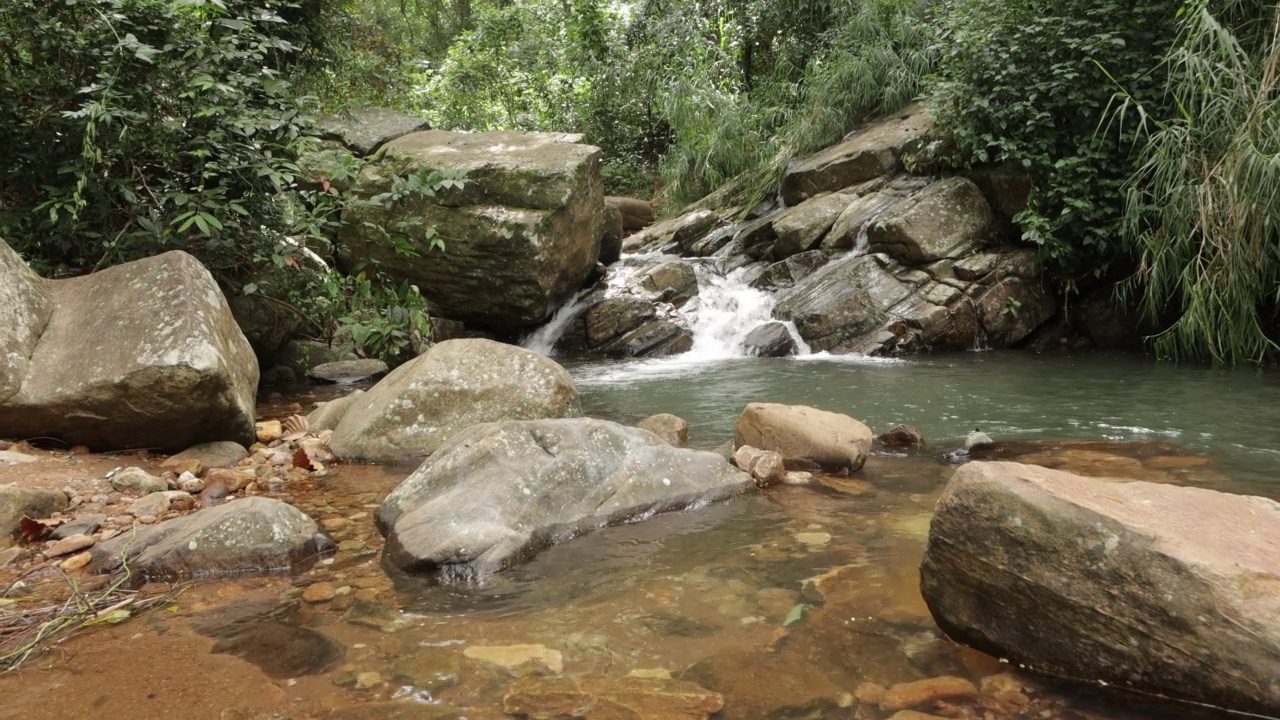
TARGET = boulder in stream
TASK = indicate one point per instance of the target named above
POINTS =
(497, 493)
(251, 535)
(1169, 590)
(771, 339)
(805, 436)
(144, 354)
(455, 384)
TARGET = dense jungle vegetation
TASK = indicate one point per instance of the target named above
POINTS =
(1146, 127)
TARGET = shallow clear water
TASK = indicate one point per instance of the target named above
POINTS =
(1231, 415)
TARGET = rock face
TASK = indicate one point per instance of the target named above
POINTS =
(497, 493)
(255, 534)
(866, 154)
(947, 220)
(145, 354)
(455, 384)
(806, 437)
(520, 237)
(1169, 589)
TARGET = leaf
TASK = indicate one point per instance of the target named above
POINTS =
(36, 530)
(796, 614)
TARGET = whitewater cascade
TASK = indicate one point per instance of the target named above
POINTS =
(725, 310)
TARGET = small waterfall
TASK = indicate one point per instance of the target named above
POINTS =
(543, 340)
(726, 310)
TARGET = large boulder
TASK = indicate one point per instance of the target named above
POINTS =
(365, 130)
(771, 339)
(802, 227)
(521, 235)
(455, 384)
(844, 301)
(948, 219)
(145, 354)
(497, 493)
(251, 535)
(806, 437)
(682, 231)
(25, 306)
(1170, 590)
(19, 502)
(866, 154)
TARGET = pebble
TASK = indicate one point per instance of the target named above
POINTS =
(319, 592)
(813, 539)
(915, 694)
(517, 658)
(651, 673)
(75, 562)
(366, 680)
(68, 545)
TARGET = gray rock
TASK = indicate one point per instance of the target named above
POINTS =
(849, 231)
(252, 535)
(1168, 590)
(849, 298)
(86, 524)
(210, 455)
(302, 355)
(345, 372)
(611, 241)
(806, 437)
(674, 282)
(19, 502)
(866, 154)
(25, 306)
(154, 504)
(329, 414)
(635, 214)
(523, 233)
(497, 493)
(455, 384)
(1009, 310)
(948, 219)
(614, 317)
(786, 273)
(802, 227)
(683, 230)
(144, 354)
(267, 323)
(136, 481)
(673, 430)
(365, 130)
(771, 339)
(655, 338)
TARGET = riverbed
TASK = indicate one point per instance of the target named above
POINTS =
(786, 602)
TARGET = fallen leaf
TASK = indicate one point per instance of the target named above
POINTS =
(36, 530)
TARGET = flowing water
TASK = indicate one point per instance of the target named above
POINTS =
(784, 602)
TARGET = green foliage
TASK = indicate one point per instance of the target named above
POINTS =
(138, 126)
(1028, 84)
(1203, 206)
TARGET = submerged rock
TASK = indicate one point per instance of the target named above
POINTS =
(650, 699)
(805, 436)
(252, 535)
(455, 384)
(145, 354)
(497, 493)
(1164, 589)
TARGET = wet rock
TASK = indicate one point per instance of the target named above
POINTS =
(915, 715)
(497, 493)
(655, 338)
(179, 372)
(614, 317)
(765, 466)
(254, 534)
(844, 301)
(302, 355)
(19, 502)
(673, 282)
(1166, 589)
(523, 230)
(428, 669)
(948, 219)
(407, 710)
(209, 455)
(368, 680)
(801, 228)
(1010, 309)
(9, 555)
(25, 306)
(85, 524)
(682, 231)
(364, 130)
(672, 429)
(786, 273)
(622, 699)
(901, 436)
(327, 415)
(346, 372)
(636, 214)
(76, 562)
(771, 339)
(136, 481)
(233, 480)
(922, 692)
(806, 437)
(866, 154)
(454, 385)
(281, 650)
(611, 240)
(319, 592)
(519, 660)
(376, 615)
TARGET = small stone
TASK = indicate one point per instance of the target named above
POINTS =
(188, 466)
(518, 659)
(152, 504)
(234, 480)
(915, 694)
(319, 592)
(869, 693)
(672, 429)
(797, 477)
(75, 562)
(137, 481)
(813, 539)
(367, 680)
(220, 454)
(190, 484)
(651, 673)
(902, 436)
(268, 431)
(68, 545)
(332, 524)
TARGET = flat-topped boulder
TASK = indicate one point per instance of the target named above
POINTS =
(144, 354)
(365, 130)
(521, 234)
(455, 384)
(497, 493)
(1169, 590)
(865, 154)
